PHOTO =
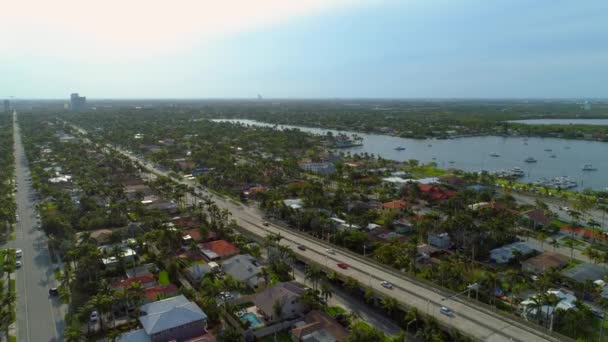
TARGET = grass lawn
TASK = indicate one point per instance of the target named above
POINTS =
(282, 336)
(576, 243)
(335, 310)
(12, 338)
(366, 327)
(426, 171)
(163, 278)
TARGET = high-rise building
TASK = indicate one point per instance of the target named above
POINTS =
(77, 102)
(7, 106)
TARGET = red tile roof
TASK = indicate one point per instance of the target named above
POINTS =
(398, 204)
(194, 233)
(152, 293)
(222, 247)
(435, 193)
(145, 280)
(586, 232)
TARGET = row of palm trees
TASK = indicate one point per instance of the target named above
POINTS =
(7, 294)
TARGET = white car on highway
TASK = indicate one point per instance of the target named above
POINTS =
(330, 251)
(386, 284)
(446, 311)
(18, 253)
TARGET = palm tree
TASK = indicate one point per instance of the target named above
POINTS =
(73, 333)
(136, 294)
(314, 274)
(390, 305)
(411, 316)
(326, 290)
(352, 284)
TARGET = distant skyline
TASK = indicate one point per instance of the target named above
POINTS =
(304, 49)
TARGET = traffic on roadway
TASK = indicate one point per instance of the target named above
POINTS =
(471, 319)
(39, 314)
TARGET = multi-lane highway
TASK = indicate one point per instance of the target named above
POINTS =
(474, 320)
(39, 317)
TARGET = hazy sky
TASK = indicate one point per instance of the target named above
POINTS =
(304, 48)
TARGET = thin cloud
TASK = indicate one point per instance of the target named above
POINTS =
(118, 28)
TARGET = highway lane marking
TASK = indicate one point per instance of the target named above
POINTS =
(493, 331)
(470, 307)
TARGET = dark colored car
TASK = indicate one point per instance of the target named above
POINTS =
(302, 247)
(343, 265)
(53, 291)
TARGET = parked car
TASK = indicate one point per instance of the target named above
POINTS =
(53, 291)
(265, 224)
(18, 264)
(343, 265)
(94, 316)
(18, 253)
(386, 284)
(330, 251)
(226, 295)
(446, 311)
(302, 247)
(566, 209)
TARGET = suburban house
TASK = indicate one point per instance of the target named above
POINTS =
(506, 253)
(137, 191)
(216, 250)
(198, 271)
(441, 240)
(147, 280)
(109, 258)
(340, 224)
(294, 203)
(287, 295)
(435, 193)
(537, 217)
(244, 268)
(402, 226)
(159, 292)
(161, 205)
(585, 271)
(544, 262)
(567, 301)
(171, 319)
(318, 326)
(398, 205)
(323, 168)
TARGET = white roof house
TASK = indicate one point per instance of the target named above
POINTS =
(567, 301)
(294, 203)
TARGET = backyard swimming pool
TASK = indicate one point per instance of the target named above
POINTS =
(254, 321)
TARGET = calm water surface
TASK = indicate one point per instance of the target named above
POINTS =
(473, 154)
(593, 122)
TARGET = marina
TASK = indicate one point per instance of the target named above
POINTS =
(473, 154)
